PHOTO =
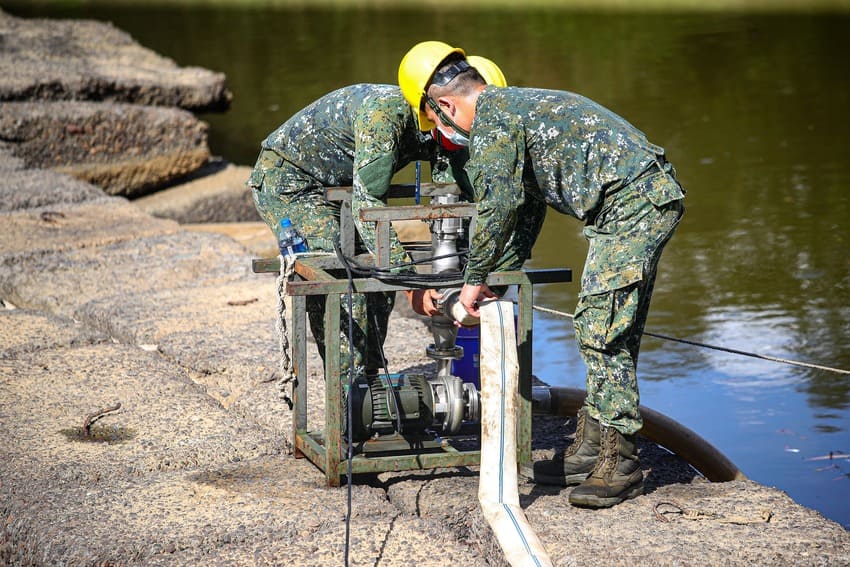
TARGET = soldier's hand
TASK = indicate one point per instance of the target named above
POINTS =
(423, 301)
(471, 295)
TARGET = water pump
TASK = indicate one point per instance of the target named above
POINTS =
(387, 405)
(410, 404)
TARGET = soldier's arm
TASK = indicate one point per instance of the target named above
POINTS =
(495, 171)
(447, 167)
(376, 149)
(530, 215)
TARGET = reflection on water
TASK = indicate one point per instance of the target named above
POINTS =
(753, 111)
(735, 327)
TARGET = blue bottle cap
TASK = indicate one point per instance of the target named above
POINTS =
(285, 222)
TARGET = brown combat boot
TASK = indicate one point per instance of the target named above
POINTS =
(573, 465)
(617, 475)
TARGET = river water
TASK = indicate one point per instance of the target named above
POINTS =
(753, 110)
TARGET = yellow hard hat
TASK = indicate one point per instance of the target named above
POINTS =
(415, 71)
(488, 70)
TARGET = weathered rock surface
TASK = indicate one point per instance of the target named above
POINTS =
(125, 149)
(255, 236)
(193, 468)
(43, 59)
(8, 162)
(218, 197)
(82, 97)
(35, 188)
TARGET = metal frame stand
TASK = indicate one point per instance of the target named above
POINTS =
(314, 277)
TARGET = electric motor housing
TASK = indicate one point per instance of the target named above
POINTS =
(380, 402)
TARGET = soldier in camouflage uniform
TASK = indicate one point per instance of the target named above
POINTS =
(559, 148)
(359, 136)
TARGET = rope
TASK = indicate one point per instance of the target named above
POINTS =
(662, 515)
(715, 347)
(287, 375)
(284, 304)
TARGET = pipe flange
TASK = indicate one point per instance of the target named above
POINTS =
(454, 353)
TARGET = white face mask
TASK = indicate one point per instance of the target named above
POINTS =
(455, 137)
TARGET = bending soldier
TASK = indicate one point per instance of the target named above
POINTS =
(564, 150)
(359, 136)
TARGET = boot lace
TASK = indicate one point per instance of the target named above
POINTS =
(576, 445)
(606, 465)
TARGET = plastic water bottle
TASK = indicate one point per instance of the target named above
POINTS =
(290, 240)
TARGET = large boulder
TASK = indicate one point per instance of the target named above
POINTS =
(33, 188)
(8, 161)
(82, 97)
(43, 59)
(125, 149)
(218, 195)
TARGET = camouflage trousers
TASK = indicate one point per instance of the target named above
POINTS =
(281, 190)
(625, 244)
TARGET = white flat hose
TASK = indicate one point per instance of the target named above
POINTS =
(497, 485)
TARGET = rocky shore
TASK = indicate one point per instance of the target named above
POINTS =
(152, 304)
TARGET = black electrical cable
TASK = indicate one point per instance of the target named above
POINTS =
(385, 275)
(348, 405)
(391, 273)
(388, 275)
(346, 262)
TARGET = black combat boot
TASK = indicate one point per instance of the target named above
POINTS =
(617, 475)
(573, 465)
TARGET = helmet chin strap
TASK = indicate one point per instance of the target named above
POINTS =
(445, 118)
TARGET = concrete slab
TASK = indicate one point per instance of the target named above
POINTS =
(723, 524)
(219, 197)
(125, 149)
(8, 162)
(35, 188)
(171, 476)
(149, 314)
(24, 330)
(718, 522)
(65, 226)
(164, 423)
(180, 478)
(261, 511)
(85, 59)
(158, 257)
(255, 236)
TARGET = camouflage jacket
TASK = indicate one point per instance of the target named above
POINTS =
(359, 136)
(553, 147)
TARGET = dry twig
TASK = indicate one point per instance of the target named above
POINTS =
(51, 216)
(90, 419)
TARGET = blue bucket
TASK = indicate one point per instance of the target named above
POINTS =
(468, 368)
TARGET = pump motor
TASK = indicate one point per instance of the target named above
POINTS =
(381, 403)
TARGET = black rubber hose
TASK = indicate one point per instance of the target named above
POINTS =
(698, 452)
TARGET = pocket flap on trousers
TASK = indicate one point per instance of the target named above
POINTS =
(660, 188)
